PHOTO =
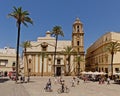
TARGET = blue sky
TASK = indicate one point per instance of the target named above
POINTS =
(97, 16)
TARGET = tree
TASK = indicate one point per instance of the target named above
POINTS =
(21, 17)
(56, 31)
(78, 59)
(112, 48)
(26, 45)
(68, 51)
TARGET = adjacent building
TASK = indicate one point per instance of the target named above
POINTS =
(40, 57)
(7, 60)
(98, 59)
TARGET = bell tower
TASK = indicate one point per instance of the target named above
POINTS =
(78, 41)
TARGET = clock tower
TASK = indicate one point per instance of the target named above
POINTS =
(78, 42)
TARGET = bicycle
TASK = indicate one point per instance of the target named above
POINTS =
(66, 90)
(48, 89)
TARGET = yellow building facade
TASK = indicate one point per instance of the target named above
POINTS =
(40, 56)
(98, 59)
(7, 60)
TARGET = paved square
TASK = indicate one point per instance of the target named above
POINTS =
(37, 84)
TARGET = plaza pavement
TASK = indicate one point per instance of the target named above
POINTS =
(36, 88)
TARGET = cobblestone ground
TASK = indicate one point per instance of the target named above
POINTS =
(9, 88)
(37, 84)
(83, 89)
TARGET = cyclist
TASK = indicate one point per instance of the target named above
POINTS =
(48, 85)
(64, 88)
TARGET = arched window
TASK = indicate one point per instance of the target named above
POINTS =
(13, 64)
(78, 29)
(78, 43)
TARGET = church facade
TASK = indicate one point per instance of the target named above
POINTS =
(40, 56)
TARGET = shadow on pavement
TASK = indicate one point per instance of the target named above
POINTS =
(116, 83)
(25, 82)
(31, 81)
(2, 80)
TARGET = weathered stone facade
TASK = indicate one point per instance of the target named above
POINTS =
(98, 59)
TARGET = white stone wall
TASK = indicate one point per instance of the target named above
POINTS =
(36, 63)
(8, 54)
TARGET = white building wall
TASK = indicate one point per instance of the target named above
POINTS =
(115, 36)
(8, 54)
(36, 63)
(116, 58)
(49, 68)
(45, 65)
(40, 63)
(72, 63)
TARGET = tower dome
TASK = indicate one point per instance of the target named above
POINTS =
(77, 21)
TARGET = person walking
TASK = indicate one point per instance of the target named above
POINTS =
(78, 81)
(73, 82)
(21, 79)
(63, 85)
(55, 80)
(108, 80)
